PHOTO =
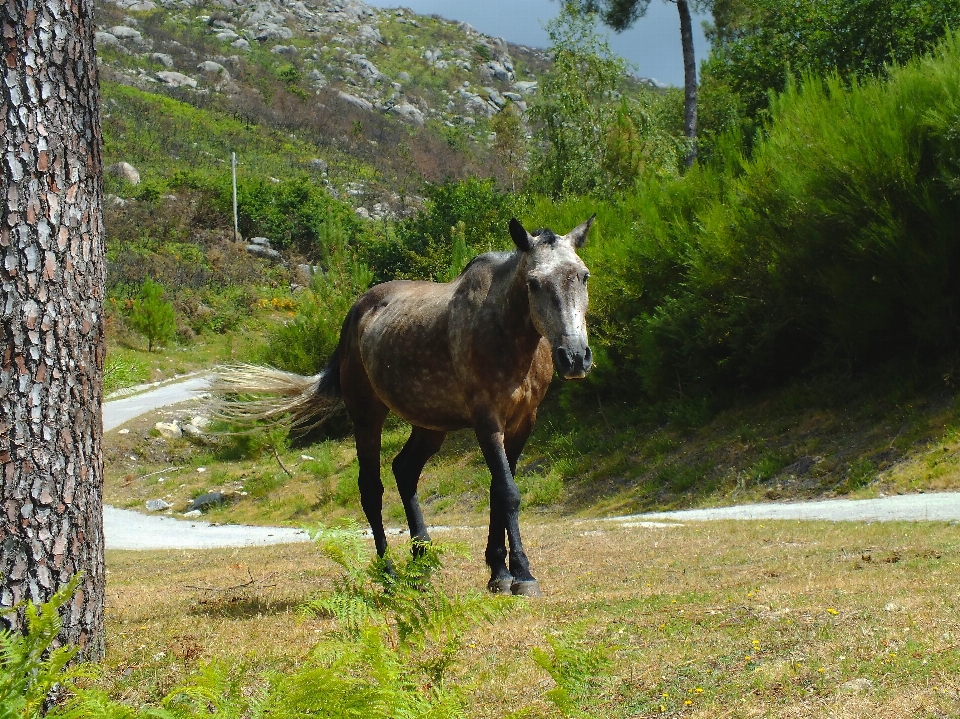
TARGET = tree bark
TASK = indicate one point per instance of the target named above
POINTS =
(689, 80)
(51, 320)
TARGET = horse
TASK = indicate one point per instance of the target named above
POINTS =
(475, 353)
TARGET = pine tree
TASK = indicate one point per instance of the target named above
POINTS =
(151, 315)
(51, 317)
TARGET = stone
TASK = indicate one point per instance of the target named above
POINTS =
(495, 97)
(308, 272)
(355, 101)
(206, 501)
(262, 241)
(200, 421)
(192, 430)
(319, 165)
(363, 212)
(157, 505)
(404, 77)
(317, 78)
(213, 68)
(163, 59)
(125, 171)
(176, 79)
(240, 44)
(408, 112)
(289, 50)
(498, 71)
(193, 513)
(169, 430)
(856, 686)
(513, 96)
(273, 31)
(266, 253)
(227, 36)
(122, 32)
(105, 39)
(369, 33)
(525, 87)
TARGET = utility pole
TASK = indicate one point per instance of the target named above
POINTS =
(236, 225)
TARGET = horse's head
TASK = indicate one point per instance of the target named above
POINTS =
(557, 285)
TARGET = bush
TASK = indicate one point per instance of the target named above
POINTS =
(770, 39)
(592, 139)
(305, 343)
(473, 213)
(833, 246)
(151, 315)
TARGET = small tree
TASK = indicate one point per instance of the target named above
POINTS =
(151, 315)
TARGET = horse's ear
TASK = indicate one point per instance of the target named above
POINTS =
(578, 235)
(521, 238)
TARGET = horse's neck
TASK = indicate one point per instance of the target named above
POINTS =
(515, 309)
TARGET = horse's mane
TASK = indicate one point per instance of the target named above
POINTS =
(544, 234)
(486, 258)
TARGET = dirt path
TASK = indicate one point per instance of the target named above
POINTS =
(126, 529)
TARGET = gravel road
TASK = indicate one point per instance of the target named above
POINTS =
(125, 529)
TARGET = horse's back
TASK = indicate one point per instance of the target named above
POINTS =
(402, 340)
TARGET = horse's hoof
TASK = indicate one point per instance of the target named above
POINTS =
(528, 588)
(500, 586)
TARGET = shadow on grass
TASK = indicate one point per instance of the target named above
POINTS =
(242, 606)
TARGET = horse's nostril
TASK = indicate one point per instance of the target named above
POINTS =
(588, 357)
(562, 356)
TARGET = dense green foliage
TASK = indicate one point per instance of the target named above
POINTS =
(151, 315)
(474, 212)
(305, 343)
(834, 244)
(762, 42)
(592, 138)
(31, 664)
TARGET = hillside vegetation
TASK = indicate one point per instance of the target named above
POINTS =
(780, 320)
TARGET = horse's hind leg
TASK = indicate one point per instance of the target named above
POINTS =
(422, 445)
(367, 435)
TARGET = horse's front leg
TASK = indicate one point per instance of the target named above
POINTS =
(505, 516)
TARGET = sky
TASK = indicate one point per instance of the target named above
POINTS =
(652, 45)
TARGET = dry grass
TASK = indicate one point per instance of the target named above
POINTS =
(704, 620)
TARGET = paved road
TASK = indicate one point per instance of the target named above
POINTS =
(125, 529)
(118, 411)
(935, 507)
(131, 530)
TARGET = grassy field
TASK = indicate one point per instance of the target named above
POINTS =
(746, 619)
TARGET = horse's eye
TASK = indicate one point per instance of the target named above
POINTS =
(534, 284)
(586, 276)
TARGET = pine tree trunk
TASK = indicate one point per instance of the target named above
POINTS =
(689, 80)
(51, 319)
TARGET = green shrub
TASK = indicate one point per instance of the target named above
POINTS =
(472, 212)
(305, 343)
(120, 372)
(854, 38)
(31, 666)
(592, 139)
(834, 245)
(151, 315)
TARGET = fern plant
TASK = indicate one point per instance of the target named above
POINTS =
(30, 666)
(576, 671)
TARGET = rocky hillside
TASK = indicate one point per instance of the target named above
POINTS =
(372, 101)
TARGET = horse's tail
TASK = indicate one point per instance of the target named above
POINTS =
(244, 394)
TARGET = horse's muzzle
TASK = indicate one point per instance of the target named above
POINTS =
(572, 364)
